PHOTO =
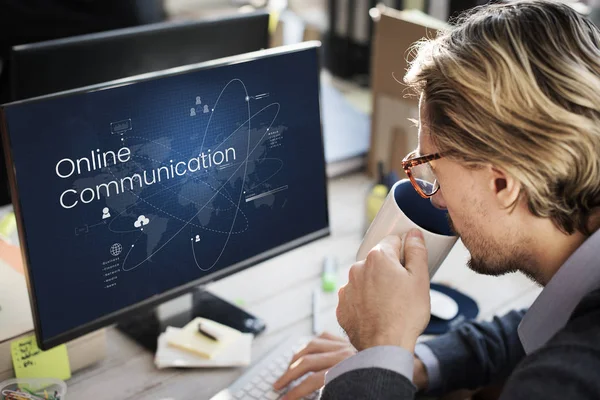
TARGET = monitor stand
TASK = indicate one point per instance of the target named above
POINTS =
(145, 328)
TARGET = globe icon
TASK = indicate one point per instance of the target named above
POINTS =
(116, 249)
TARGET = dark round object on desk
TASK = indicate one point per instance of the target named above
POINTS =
(467, 310)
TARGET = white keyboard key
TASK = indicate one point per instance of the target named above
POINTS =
(240, 394)
(248, 387)
(277, 374)
(272, 395)
(264, 386)
(256, 393)
(271, 379)
(256, 380)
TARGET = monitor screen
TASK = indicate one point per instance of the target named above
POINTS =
(131, 194)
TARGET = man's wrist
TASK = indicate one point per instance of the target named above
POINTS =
(392, 358)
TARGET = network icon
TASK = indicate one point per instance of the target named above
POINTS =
(116, 249)
(141, 221)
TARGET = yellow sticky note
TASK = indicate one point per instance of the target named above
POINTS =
(8, 224)
(31, 362)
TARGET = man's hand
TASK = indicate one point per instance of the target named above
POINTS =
(321, 354)
(385, 303)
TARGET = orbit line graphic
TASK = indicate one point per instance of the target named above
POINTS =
(218, 190)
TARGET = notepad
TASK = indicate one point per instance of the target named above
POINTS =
(31, 362)
(189, 339)
(236, 354)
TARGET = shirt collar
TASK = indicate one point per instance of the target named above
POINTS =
(577, 277)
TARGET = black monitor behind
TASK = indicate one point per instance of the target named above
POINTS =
(64, 64)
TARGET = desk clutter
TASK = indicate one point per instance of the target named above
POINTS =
(203, 343)
(33, 389)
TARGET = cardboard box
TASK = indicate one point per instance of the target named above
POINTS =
(392, 134)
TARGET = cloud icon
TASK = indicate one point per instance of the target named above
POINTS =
(141, 221)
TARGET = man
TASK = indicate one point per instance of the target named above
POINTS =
(510, 111)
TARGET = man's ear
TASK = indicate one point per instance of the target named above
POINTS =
(504, 186)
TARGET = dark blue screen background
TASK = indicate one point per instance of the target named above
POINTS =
(86, 262)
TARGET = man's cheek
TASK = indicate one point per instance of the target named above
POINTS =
(339, 314)
(451, 223)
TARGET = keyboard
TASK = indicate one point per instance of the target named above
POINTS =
(257, 382)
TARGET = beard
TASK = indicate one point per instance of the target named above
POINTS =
(488, 257)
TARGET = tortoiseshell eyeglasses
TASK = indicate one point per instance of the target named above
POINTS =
(421, 174)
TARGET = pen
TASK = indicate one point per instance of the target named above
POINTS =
(316, 306)
(205, 332)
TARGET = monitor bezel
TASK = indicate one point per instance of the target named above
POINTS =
(135, 30)
(23, 50)
(151, 302)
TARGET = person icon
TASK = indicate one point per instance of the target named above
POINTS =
(105, 213)
(192, 112)
(198, 100)
(197, 238)
(205, 109)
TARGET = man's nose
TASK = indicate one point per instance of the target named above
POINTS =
(438, 200)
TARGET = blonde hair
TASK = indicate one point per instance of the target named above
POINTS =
(517, 85)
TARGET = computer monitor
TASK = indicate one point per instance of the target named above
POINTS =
(63, 64)
(131, 193)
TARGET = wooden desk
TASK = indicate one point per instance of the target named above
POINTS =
(279, 291)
